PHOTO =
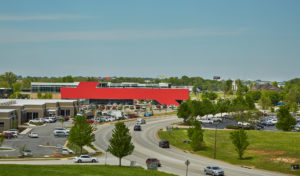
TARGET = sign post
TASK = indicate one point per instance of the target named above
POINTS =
(187, 163)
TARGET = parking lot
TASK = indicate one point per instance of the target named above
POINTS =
(42, 146)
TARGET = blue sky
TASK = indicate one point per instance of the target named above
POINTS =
(254, 39)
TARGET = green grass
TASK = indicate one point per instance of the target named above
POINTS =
(72, 170)
(268, 150)
(5, 148)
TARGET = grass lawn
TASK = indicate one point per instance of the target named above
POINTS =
(268, 150)
(72, 170)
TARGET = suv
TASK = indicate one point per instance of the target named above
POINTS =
(213, 170)
(137, 128)
(164, 144)
(153, 161)
(85, 159)
(27, 152)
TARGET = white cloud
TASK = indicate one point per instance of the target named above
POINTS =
(39, 17)
(8, 36)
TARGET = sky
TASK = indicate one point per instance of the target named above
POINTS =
(246, 39)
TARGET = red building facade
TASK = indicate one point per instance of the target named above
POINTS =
(89, 90)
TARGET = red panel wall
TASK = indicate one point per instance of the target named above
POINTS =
(89, 90)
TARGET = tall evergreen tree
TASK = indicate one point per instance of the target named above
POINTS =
(120, 142)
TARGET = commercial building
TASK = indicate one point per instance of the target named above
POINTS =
(109, 93)
(125, 92)
(15, 112)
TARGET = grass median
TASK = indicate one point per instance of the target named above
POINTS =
(71, 170)
(269, 150)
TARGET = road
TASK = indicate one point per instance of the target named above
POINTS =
(146, 146)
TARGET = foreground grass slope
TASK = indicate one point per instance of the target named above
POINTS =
(268, 150)
(72, 170)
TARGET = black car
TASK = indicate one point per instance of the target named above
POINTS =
(137, 128)
(164, 144)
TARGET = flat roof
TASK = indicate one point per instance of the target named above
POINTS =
(6, 110)
(54, 84)
(14, 102)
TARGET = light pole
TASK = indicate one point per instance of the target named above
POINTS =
(215, 147)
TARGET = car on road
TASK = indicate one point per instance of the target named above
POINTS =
(33, 135)
(213, 170)
(85, 159)
(153, 161)
(137, 128)
(141, 121)
(164, 144)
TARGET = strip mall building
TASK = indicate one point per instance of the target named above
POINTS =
(109, 93)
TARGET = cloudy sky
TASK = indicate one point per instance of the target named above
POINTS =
(248, 39)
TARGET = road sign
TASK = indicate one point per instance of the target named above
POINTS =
(187, 162)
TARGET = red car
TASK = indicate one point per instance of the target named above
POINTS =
(7, 135)
(158, 106)
(132, 115)
(90, 121)
(153, 161)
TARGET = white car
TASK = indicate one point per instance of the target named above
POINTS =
(33, 135)
(85, 159)
(208, 121)
(213, 170)
(37, 121)
(66, 151)
(49, 120)
(243, 124)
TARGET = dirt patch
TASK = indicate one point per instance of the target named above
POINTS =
(266, 152)
(285, 160)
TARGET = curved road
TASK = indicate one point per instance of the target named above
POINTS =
(172, 160)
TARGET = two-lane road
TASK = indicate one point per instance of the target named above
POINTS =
(146, 146)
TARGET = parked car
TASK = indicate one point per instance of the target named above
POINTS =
(148, 114)
(296, 128)
(153, 161)
(66, 151)
(14, 132)
(132, 115)
(85, 159)
(49, 120)
(7, 135)
(141, 121)
(41, 121)
(216, 119)
(33, 135)
(213, 170)
(60, 133)
(243, 124)
(164, 144)
(137, 128)
(206, 121)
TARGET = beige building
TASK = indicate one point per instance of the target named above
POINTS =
(7, 119)
(27, 109)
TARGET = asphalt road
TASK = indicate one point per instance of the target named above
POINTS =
(172, 160)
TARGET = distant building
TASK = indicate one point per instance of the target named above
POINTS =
(217, 78)
(265, 87)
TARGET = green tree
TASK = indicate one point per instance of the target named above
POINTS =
(240, 141)
(39, 95)
(209, 95)
(120, 142)
(228, 87)
(264, 101)
(184, 111)
(275, 84)
(285, 121)
(68, 78)
(196, 136)
(81, 133)
(293, 95)
(222, 106)
(2, 138)
(250, 102)
(254, 94)
(10, 78)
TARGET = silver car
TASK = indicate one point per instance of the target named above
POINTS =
(213, 170)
